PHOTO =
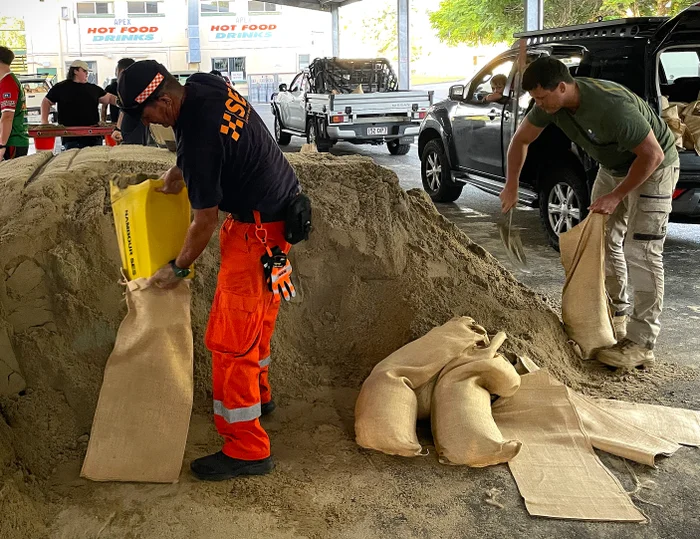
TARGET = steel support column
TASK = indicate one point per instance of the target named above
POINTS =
(404, 44)
(335, 16)
(534, 15)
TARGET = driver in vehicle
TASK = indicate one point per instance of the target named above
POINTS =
(639, 169)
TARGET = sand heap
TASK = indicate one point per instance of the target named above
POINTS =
(382, 267)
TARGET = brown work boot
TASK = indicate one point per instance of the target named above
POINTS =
(627, 355)
(620, 326)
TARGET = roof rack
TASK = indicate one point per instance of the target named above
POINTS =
(635, 27)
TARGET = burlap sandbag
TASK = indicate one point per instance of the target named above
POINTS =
(387, 407)
(672, 118)
(463, 427)
(143, 412)
(557, 472)
(691, 118)
(585, 309)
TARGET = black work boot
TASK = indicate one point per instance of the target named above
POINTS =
(267, 408)
(218, 467)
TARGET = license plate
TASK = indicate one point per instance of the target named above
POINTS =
(377, 130)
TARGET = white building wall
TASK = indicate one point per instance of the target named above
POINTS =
(270, 42)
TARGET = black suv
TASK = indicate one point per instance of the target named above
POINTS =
(465, 138)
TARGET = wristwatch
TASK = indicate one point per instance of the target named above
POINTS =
(179, 272)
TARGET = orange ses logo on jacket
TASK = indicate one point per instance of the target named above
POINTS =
(236, 115)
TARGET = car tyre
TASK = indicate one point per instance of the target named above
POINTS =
(313, 129)
(283, 139)
(398, 149)
(436, 174)
(564, 201)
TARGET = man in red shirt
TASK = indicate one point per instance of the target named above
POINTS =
(14, 139)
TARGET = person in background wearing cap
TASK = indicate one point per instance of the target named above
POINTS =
(129, 130)
(78, 102)
(229, 162)
(14, 139)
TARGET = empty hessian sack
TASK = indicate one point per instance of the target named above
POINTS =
(143, 412)
(463, 428)
(387, 407)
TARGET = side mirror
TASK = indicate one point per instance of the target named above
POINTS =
(457, 92)
(283, 87)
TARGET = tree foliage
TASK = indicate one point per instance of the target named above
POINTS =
(380, 28)
(495, 21)
(12, 33)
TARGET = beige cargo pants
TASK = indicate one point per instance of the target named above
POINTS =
(636, 232)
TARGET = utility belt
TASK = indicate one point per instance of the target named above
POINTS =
(248, 217)
(296, 217)
(276, 265)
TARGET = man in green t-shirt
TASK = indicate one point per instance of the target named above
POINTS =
(14, 139)
(639, 170)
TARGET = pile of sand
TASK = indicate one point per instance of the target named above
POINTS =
(382, 268)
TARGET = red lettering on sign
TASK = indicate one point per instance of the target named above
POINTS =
(92, 30)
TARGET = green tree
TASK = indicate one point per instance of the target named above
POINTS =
(380, 28)
(12, 33)
(495, 21)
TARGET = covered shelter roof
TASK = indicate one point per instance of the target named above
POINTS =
(319, 5)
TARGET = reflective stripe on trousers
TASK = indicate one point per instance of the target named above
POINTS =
(636, 232)
(240, 327)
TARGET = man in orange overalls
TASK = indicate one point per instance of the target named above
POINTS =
(229, 162)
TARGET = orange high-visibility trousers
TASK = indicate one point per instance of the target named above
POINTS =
(241, 323)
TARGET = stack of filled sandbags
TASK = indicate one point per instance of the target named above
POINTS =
(684, 121)
(448, 375)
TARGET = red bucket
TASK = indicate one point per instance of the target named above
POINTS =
(109, 141)
(44, 143)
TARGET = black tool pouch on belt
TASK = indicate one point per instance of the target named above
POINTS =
(298, 221)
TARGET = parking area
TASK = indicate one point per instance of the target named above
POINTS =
(477, 213)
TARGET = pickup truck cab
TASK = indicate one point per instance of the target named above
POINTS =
(465, 138)
(356, 101)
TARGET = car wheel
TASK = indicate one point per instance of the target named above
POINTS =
(436, 174)
(564, 201)
(313, 137)
(398, 149)
(283, 139)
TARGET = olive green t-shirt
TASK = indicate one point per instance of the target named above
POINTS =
(610, 122)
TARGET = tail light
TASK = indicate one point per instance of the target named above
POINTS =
(419, 115)
(678, 192)
(339, 119)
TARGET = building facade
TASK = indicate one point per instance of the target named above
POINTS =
(256, 44)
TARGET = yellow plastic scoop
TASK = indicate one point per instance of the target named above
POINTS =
(151, 226)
